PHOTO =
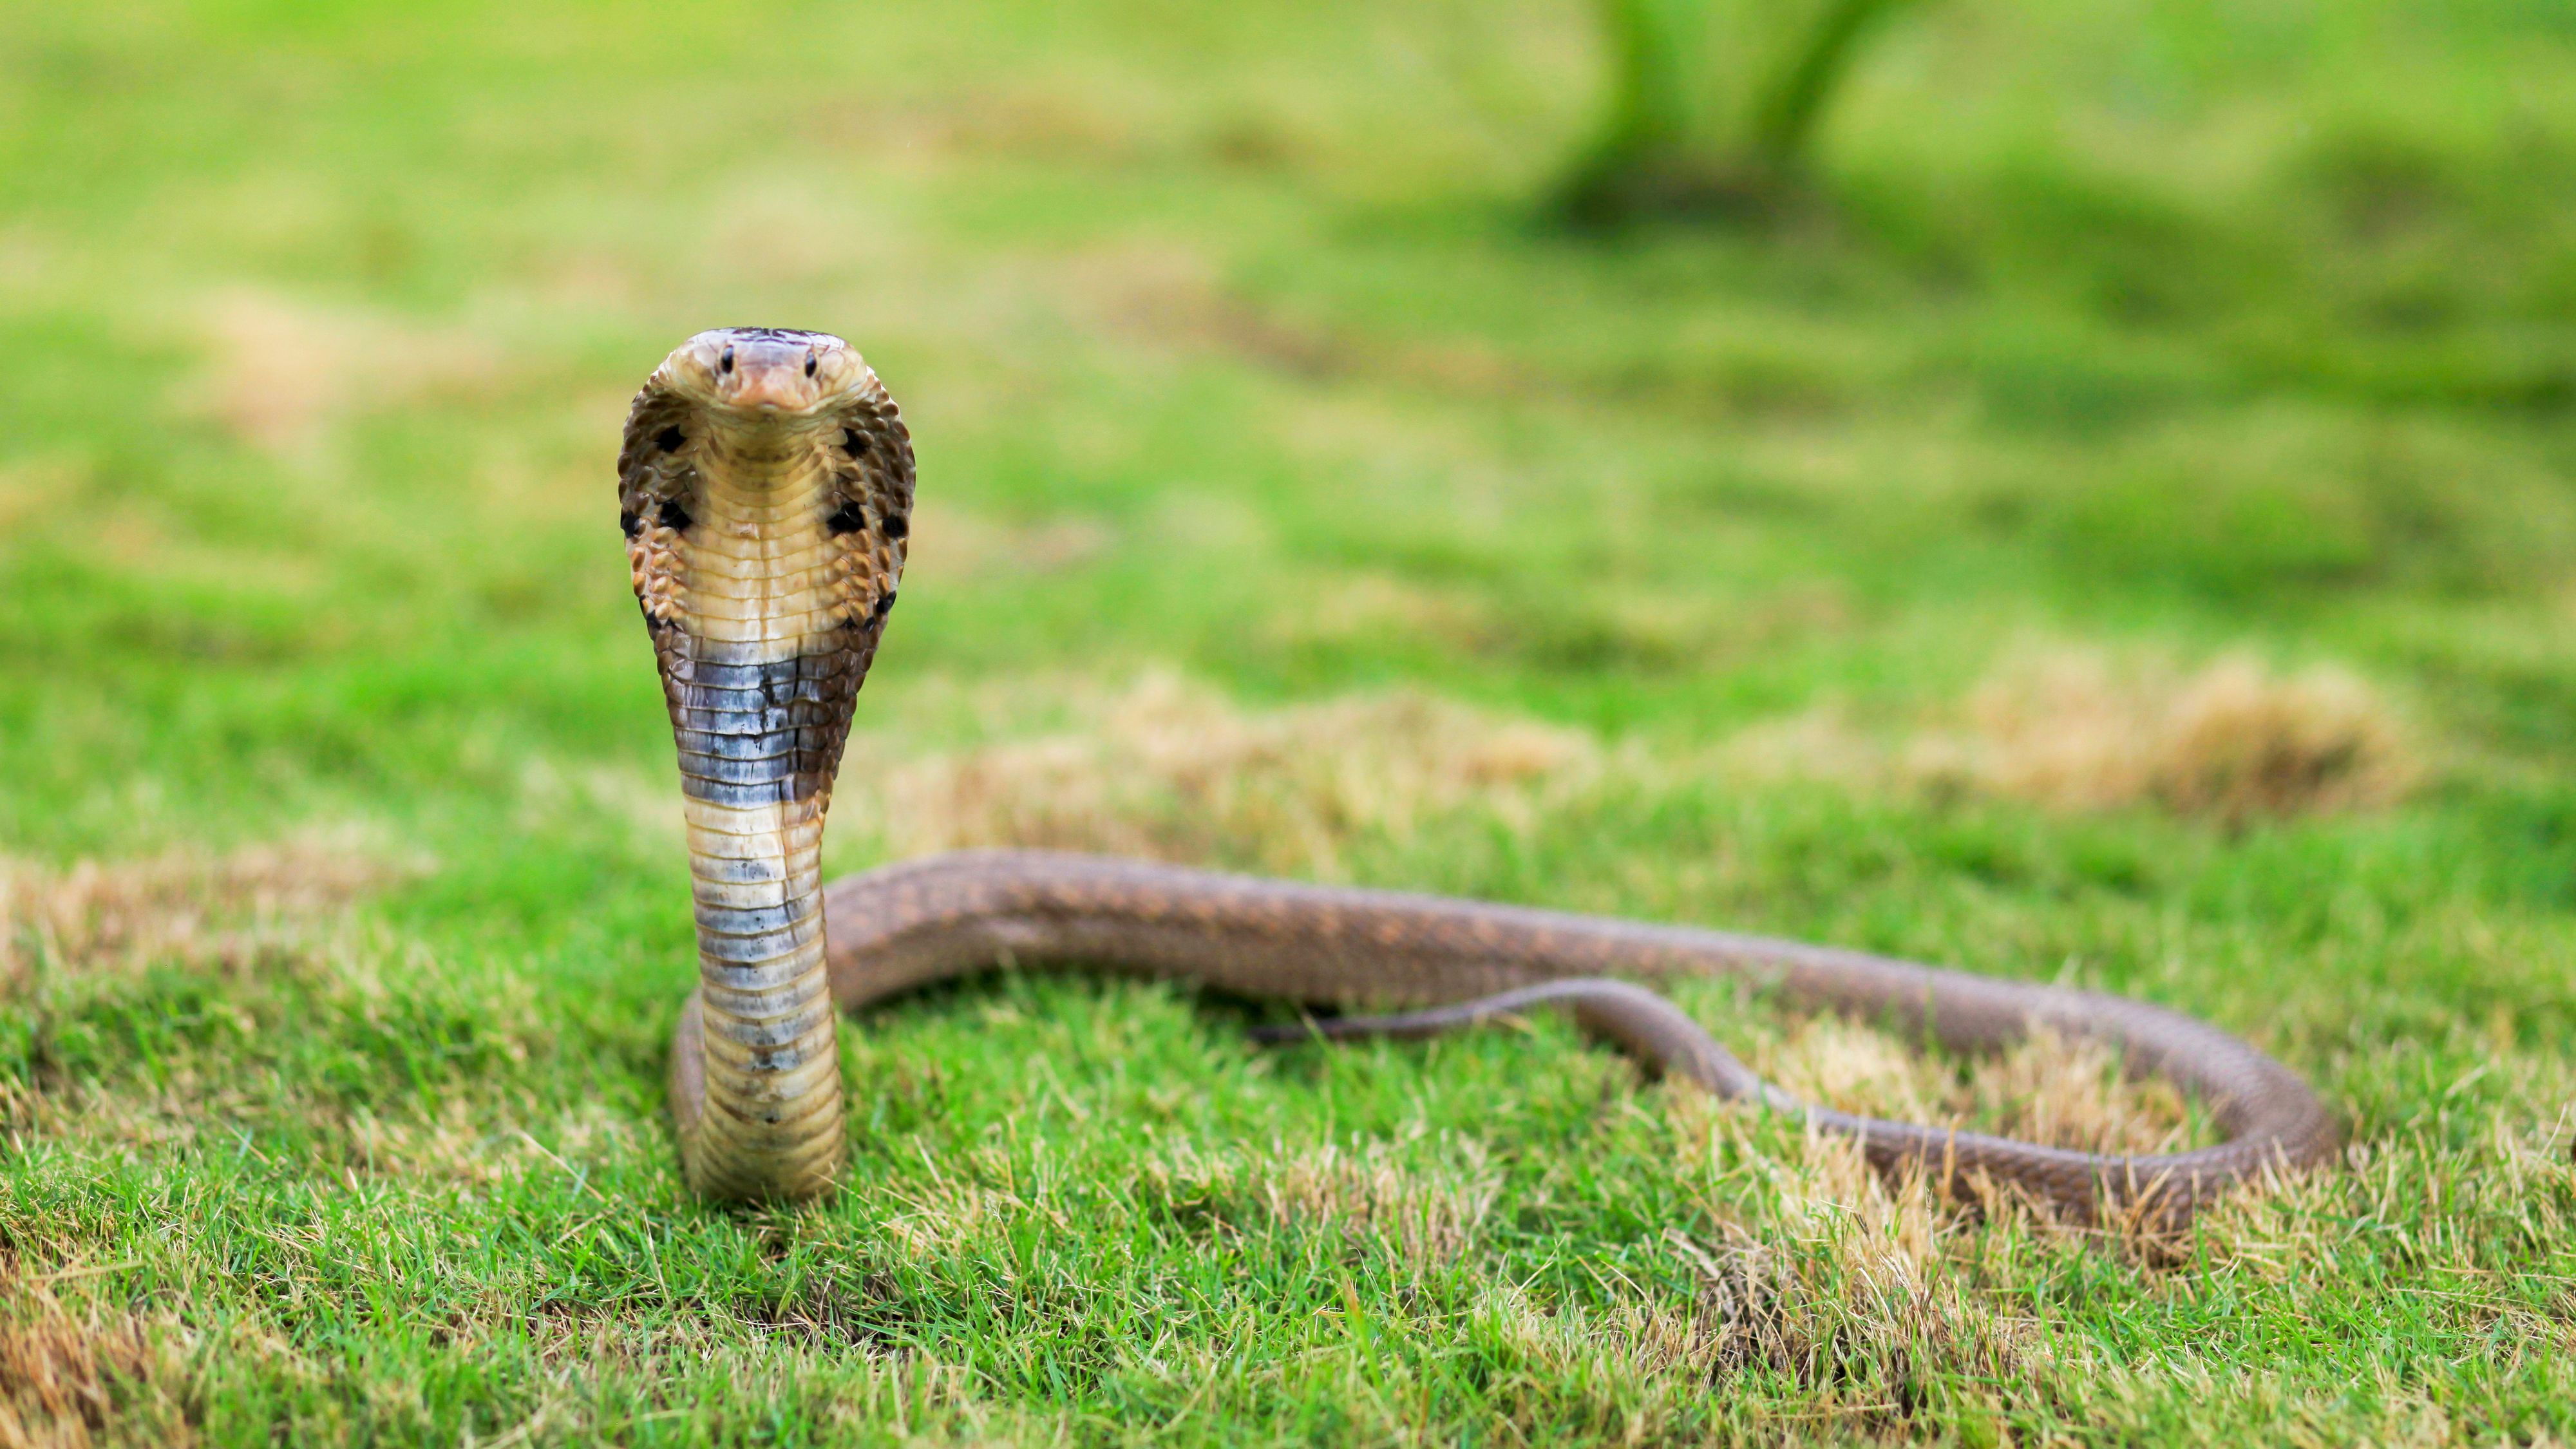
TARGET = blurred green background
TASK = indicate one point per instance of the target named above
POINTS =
(2203, 322)
(2163, 372)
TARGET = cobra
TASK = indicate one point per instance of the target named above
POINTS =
(766, 488)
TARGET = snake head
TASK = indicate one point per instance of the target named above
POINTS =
(750, 406)
(765, 489)
(766, 374)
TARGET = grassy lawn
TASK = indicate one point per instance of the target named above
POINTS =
(2122, 532)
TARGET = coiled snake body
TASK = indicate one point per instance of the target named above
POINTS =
(765, 485)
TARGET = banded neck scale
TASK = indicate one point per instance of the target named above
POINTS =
(765, 488)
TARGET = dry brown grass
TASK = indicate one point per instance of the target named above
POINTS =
(229, 911)
(2232, 740)
(279, 371)
(2054, 1090)
(1172, 772)
(69, 1379)
(2081, 730)
(2049, 1089)
(271, 920)
(1169, 770)
(1848, 1286)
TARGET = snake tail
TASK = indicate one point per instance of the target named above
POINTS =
(765, 489)
(907, 925)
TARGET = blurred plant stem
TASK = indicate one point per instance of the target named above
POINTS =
(1714, 103)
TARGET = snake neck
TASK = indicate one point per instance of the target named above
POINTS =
(752, 709)
(766, 544)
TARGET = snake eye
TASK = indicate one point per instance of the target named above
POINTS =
(809, 364)
(725, 363)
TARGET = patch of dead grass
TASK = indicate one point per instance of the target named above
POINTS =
(2049, 1089)
(184, 905)
(2054, 1090)
(2232, 740)
(2079, 730)
(1858, 1290)
(1173, 772)
(1169, 770)
(69, 1377)
(271, 924)
(279, 371)
(2511, 1161)
(1844, 1286)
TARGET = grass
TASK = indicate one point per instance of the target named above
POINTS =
(2123, 538)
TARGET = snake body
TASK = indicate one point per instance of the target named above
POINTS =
(766, 485)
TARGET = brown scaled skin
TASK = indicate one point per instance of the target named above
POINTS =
(766, 482)
(765, 487)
